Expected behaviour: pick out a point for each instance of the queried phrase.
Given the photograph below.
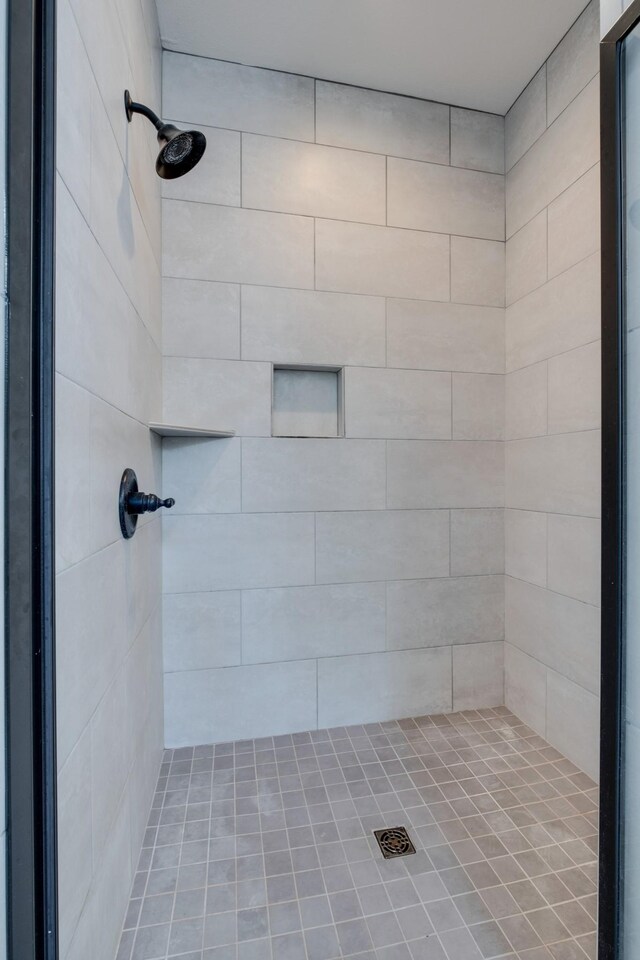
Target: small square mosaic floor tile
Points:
(265, 849)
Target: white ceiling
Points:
(474, 53)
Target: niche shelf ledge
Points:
(174, 430)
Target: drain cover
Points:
(394, 842)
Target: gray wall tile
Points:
(203, 476)
(313, 180)
(384, 545)
(202, 706)
(198, 90)
(220, 394)
(200, 319)
(201, 630)
(307, 326)
(429, 196)
(477, 542)
(397, 403)
(381, 261)
(574, 62)
(434, 613)
(301, 474)
(226, 552)
(381, 122)
(477, 140)
(433, 474)
(300, 623)
(208, 242)
(527, 118)
(445, 336)
(380, 686)
(478, 676)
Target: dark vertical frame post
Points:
(612, 568)
(29, 519)
(611, 878)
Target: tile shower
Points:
(424, 280)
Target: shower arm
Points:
(165, 130)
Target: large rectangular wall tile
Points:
(75, 859)
(429, 196)
(205, 706)
(241, 550)
(559, 474)
(561, 315)
(435, 474)
(435, 613)
(561, 632)
(477, 271)
(573, 722)
(574, 557)
(109, 766)
(574, 390)
(397, 403)
(73, 440)
(307, 326)
(200, 319)
(91, 622)
(526, 399)
(202, 475)
(308, 474)
(222, 94)
(208, 242)
(383, 686)
(385, 545)
(221, 394)
(574, 223)
(477, 542)
(574, 62)
(527, 118)
(216, 179)
(527, 258)
(477, 140)
(381, 261)
(201, 630)
(525, 683)
(298, 623)
(478, 406)
(313, 180)
(445, 336)
(381, 122)
(478, 676)
(566, 151)
(525, 535)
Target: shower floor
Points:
(264, 849)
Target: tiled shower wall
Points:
(553, 398)
(108, 388)
(318, 582)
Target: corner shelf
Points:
(172, 430)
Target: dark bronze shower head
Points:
(180, 150)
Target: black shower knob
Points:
(133, 502)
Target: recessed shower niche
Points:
(307, 402)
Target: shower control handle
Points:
(133, 502)
(139, 502)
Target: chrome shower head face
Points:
(182, 150)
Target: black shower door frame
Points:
(29, 584)
(613, 479)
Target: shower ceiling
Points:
(474, 53)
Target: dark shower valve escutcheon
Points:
(132, 503)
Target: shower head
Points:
(180, 150)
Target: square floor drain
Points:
(394, 842)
